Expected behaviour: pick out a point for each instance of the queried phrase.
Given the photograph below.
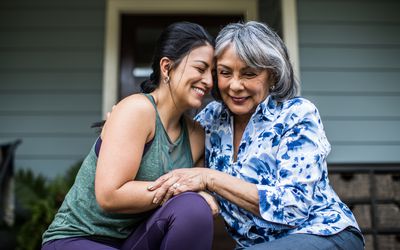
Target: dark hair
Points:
(175, 42)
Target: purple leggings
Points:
(183, 222)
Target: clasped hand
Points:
(183, 180)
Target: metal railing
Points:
(374, 172)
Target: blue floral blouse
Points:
(283, 151)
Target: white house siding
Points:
(350, 68)
(50, 79)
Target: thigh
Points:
(296, 241)
(183, 222)
(344, 240)
(75, 243)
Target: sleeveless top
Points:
(80, 215)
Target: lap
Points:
(76, 243)
(187, 214)
(343, 240)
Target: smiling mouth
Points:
(199, 91)
(238, 99)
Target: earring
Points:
(272, 87)
(166, 80)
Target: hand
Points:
(212, 202)
(164, 188)
(179, 181)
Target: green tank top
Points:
(80, 215)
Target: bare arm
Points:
(237, 191)
(124, 137)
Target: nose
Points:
(208, 80)
(236, 84)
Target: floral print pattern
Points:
(283, 151)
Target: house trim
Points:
(290, 33)
(114, 8)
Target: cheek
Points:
(222, 84)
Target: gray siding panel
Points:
(376, 35)
(355, 107)
(374, 154)
(47, 125)
(67, 147)
(350, 82)
(48, 39)
(51, 81)
(51, 60)
(49, 168)
(50, 102)
(51, 18)
(64, 60)
(350, 68)
(349, 11)
(349, 58)
(363, 132)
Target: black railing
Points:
(388, 194)
(7, 156)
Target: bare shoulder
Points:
(133, 113)
(138, 103)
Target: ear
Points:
(165, 66)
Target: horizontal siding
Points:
(50, 168)
(383, 11)
(350, 69)
(348, 132)
(67, 148)
(50, 81)
(359, 35)
(90, 39)
(368, 154)
(349, 58)
(51, 60)
(57, 17)
(350, 82)
(356, 107)
(47, 125)
(24, 102)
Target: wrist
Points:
(210, 180)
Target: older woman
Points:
(265, 153)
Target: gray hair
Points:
(260, 47)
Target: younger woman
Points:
(146, 136)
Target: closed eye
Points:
(224, 73)
(249, 75)
(201, 70)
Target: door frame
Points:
(114, 8)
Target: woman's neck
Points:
(168, 111)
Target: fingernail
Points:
(155, 201)
(150, 187)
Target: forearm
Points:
(235, 190)
(132, 197)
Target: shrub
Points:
(38, 200)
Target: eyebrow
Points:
(242, 69)
(203, 62)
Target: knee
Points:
(192, 205)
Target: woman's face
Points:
(192, 79)
(242, 88)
